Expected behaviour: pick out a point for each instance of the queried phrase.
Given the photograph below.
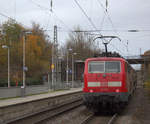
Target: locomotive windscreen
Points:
(104, 67)
(96, 67)
(112, 67)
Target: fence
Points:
(36, 89)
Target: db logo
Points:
(103, 84)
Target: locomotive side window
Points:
(112, 67)
(96, 67)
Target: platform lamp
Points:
(73, 54)
(24, 66)
(67, 69)
(7, 47)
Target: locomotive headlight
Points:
(91, 91)
(114, 84)
(117, 90)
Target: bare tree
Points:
(80, 43)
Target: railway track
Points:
(92, 119)
(40, 117)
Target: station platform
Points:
(19, 100)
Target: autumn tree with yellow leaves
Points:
(147, 53)
(38, 53)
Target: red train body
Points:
(107, 81)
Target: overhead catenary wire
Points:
(7, 17)
(115, 30)
(93, 23)
(45, 10)
(101, 25)
(48, 21)
(83, 11)
(122, 53)
(95, 32)
(109, 18)
(4, 15)
(41, 7)
(106, 13)
(89, 19)
(65, 25)
(48, 11)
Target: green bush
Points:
(147, 83)
(3, 82)
(33, 81)
(149, 79)
(29, 82)
(12, 83)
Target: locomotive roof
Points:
(106, 58)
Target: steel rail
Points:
(86, 120)
(47, 113)
(59, 112)
(111, 121)
(90, 117)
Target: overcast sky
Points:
(124, 14)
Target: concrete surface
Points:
(19, 107)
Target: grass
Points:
(147, 84)
(9, 98)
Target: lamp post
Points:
(24, 66)
(24, 40)
(73, 68)
(7, 47)
(67, 65)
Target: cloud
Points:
(125, 14)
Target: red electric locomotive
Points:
(108, 81)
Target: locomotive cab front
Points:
(105, 81)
